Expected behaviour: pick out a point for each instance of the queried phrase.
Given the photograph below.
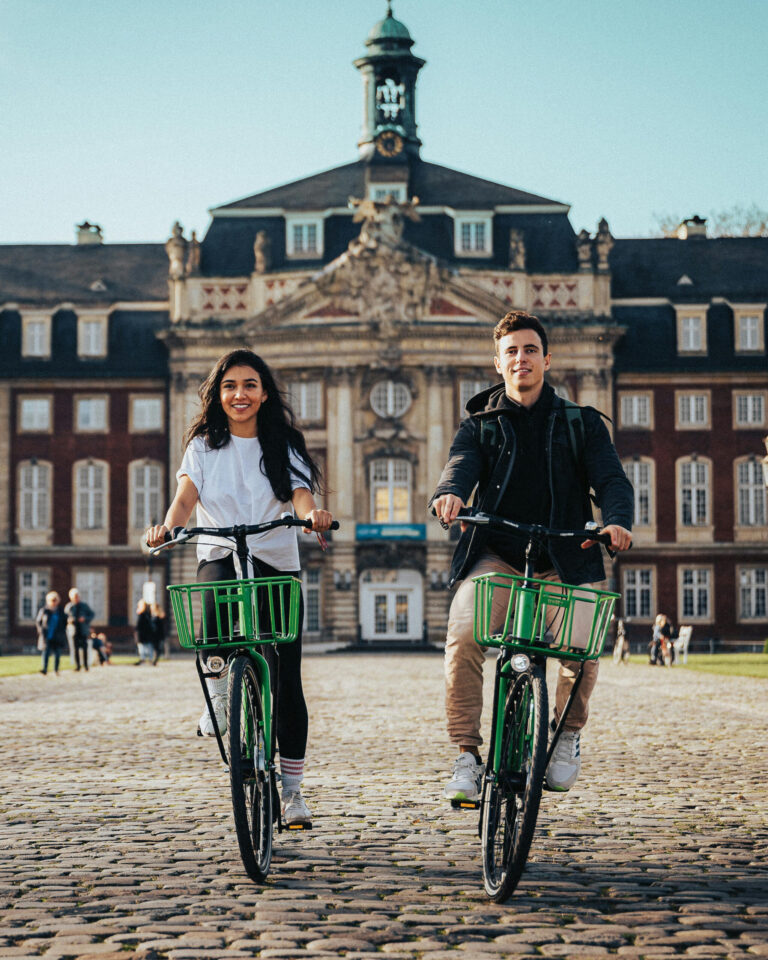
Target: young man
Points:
(522, 467)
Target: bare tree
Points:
(736, 221)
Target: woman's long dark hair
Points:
(275, 424)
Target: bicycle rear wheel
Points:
(249, 774)
(511, 800)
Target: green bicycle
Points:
(529, 620)
(224, 622)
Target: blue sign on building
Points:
(391, 531)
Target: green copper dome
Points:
(389, 29)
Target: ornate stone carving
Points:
(516, 249)
(382, 280)
(176, 248)
(262, 252)
(193, 258)
(604, 244)
(584, 251)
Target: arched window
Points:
(35, 495)
(750, 493)
(390, 490)
(147, 503)
(694, 491)
(91, 478)
(640, 473)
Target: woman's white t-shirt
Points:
(233, 488)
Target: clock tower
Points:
(389, 72)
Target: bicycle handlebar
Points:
(533, 530)
(182, 534)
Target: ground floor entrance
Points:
(391, 605)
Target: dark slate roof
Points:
(432, 184)
(133, 348)
(731, 267)
(49, 274)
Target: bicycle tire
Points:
(511, 800)
(249, 775)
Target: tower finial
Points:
(389, 8)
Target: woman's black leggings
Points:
(292, 717)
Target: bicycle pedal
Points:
(465, 804)
(298, 826)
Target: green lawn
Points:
(15, 666)
(727, 664)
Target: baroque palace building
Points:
(372, 290)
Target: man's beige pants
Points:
(464, 660)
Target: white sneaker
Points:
(564, 767)
(295, 810)
(467, 779)
(217, 690)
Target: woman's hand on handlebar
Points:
(621, 539)
(320, 521)
(155, 536)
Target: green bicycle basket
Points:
(236, 612)
(542, 616)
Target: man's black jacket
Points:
(487, 472)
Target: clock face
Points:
(389, 144)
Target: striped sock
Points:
(291, 773)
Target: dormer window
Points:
(36, 336)
(383, 191)
(304, 237)
(92, 336)
(692, 330)
(472, 235)
(748, 329)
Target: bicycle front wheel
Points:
(249, 773)
(511, 797)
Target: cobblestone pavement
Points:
(117, 841)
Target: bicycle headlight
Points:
(215, 664)
(520, 662)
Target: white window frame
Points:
(635, 588)
(139, 471)
(632, 402)
(750, 493)
(312, 587)
(88, 531)
(380, 190)
(306, 399)
(692, 330)
(697, 406)
(754, 581)
(304, 222)
(749, 320)
(24, 400)
(644, 487)
(472, 220)
(36, 336)
(392, 483)
(38, 496)
(86, 579)
(34, 592)
(92, 336)
(468, 388)
(390, 399)
(702, 577)
(90, 398)
(696, 485)
(136, 422)
(756, 402)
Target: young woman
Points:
(245, 462)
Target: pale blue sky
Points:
(135, 113)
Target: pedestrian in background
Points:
(99, 646)
(51, 631)
(144, 633)
(158, 630)
(79, 616)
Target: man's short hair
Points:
(520, 320)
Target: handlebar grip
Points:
(335, 525)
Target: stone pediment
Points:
(383, 283)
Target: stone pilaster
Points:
(6, 512)
(340, 453)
